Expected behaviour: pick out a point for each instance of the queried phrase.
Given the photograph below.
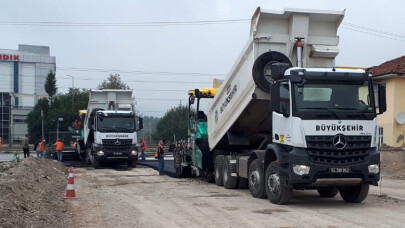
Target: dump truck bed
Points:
(240, 111)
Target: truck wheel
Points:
(132, 164)
(186, 171)
(354, 194)
(230, 182)
(243, 183)
(95, 163)
(261, 68)
(328, 192)
(278, 192)
(219, 162)
(87, 159)
(256, 180)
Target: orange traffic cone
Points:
(70, 189)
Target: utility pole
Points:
(150, 131)
(73, 86)
(42, 118)
(57, 127)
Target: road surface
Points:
(117, 197)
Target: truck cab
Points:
(325, 132)
(110, 128)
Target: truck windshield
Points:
(116, 124)
(333, 98)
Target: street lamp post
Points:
(73, 86)
(57, 127)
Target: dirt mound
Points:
(31, 194)
(4, 166)
(393, 169)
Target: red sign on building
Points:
(9, 57)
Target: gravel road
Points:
(141, 198)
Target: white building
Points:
(23, 74)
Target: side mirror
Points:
(191, 99)
(275, 97)
(382, 100)
(140, 127)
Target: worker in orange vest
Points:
(41, 147)
(59, 149)
(143, 148)
(1, 143)
(77, 124)
(160, 156)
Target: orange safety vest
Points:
(41, 146)
(143, 145)
(59, 146)
(1, 142)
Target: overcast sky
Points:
(192, 54)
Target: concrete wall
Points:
(395, 87)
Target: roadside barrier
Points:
(70, 189)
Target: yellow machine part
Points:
(205, 92)
(82, 112)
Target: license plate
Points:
(117, 153)
(339, 170)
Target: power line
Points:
(138, 71)
(171, 23)
(122, 24)
(373, 30)
(373, 34)
(159, 99)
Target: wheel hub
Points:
(274, 183)
(254, 179)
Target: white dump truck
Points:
(110, 128)
(285, 118)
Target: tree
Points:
(34, 119)
(50, 84)
(149, 128)
(61, 107)
(113, 82)
(173, 123)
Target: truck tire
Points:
(95, 163)
(277, 190)
(132, 164)
(228, 168)
(354, 194)
(256, 180)
(262, 63)
(328, 192)
(87, 158)
(243, 183)
(219, 162)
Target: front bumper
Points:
(320, 176)
(115, 155)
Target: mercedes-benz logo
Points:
(339, 142)
(117, 142)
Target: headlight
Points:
(301, 169)
(134, 152)
(375, 168)
(100, 153)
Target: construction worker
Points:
(25, 146)
(41, 148)
(59, 149)
(143, 148)
(77, 124)
(161, 154)
(1, 143)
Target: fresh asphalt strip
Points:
(168, 168)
